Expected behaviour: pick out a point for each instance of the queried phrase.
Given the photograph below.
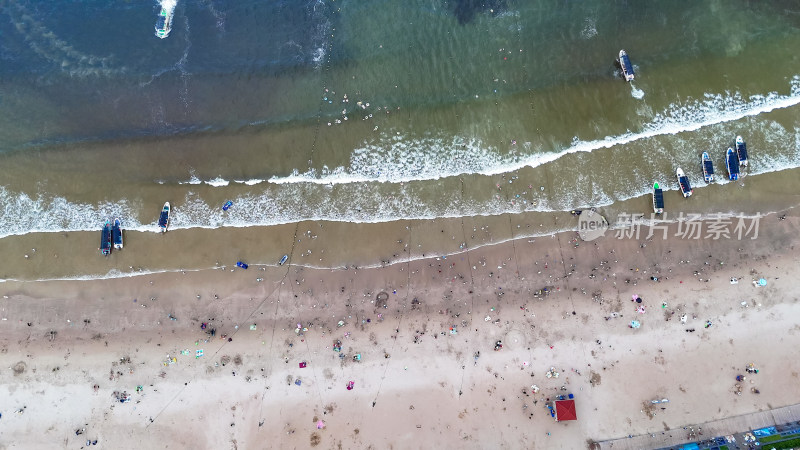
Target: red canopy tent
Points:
(565, 410)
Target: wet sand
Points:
(418, 325)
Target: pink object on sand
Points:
(303, 365)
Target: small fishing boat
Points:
(116, 234)
(163, 219)
(163, 23)
(283, 260)
(708, 168)
(626, 66)
(683, 182)
(732, 161)
(741, 151)
(105, 239)
(658, 199)
(241, 264)
(227, 205)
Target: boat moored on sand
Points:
(163, 219)
(708, 168)
(105, 239)
(116, 234)
(626, 66)
(658, 199)
(732, 161)
(683, 183)
(741, 151)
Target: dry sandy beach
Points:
(425, 329)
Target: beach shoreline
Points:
(553, 301)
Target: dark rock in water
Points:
(466, 10)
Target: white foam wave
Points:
(21, 214)
(112, 274)
(217, 182)
(396, 158)
(192, 180)
(636, 92)
(251, 182)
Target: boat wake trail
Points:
(62, 54)
(636, 92)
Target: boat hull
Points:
(163, 24)
(732, 163)
(105, 239)
(116, 234)
(626, 66)
(163, 219)
(708, 168)
(683, 183)
(741, 151)
(658, 199)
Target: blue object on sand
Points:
(227, 205)
(762, 282)
(283, 260)
(241, 264)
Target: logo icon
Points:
(591, 225)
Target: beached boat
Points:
(683, 182)
(732, 161)
(741, 151)
(105, 239)
(658, 199)
(626, 66)
(708, 168)
(164, 23)
(163, 219)
(227, 205)
(116, 234)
